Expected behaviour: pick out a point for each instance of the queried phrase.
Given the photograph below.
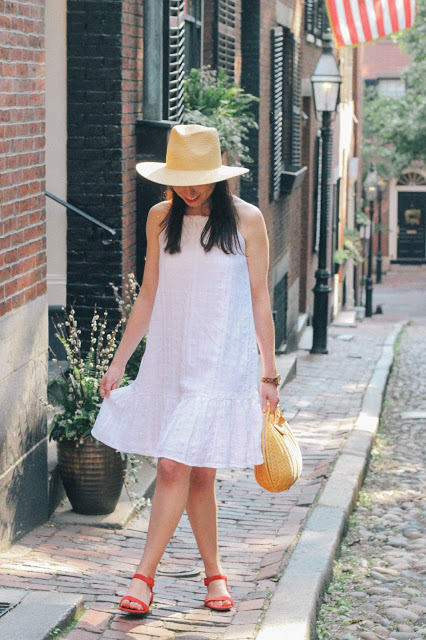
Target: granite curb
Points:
(36, 615)
(292, 612)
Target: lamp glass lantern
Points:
(326, 79)
(371, 184)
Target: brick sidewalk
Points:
(257, 530)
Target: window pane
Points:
(391, 87)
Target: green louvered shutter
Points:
(277, 77)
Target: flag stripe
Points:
(372, 18)
(335, 22)
(379, 18)
(356, 21)
(386, 17)
(402, 18)
(393, 15)
(350, 21)
(364, 19)
(413, 11)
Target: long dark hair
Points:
(221, 226)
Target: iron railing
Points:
(67, 205)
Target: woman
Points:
(194, 405)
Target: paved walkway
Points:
(257, 530)
(380, 587)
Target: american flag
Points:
(356, 21)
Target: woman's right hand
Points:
(111, 380)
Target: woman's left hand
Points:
(269, 392)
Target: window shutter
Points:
(319, 20)
(314, 17)
(288, 96)
(277, 49)
(226, 37)
(296, 150)
(176, 60)
(309, 15)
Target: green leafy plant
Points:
(351, 248)
(361, 218)
(211, 100)
(76, 392)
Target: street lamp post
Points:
(379, 236)
(371, 188)
(326, 81)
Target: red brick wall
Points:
(382, 59)
(131, 109)
(282, 217)
(22, 142)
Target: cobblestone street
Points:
(380, 586)
(258, 530)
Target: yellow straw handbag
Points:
(282, 464)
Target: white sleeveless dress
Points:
(195, 399)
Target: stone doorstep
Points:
(305, 340)
(345, 319)
(124, 511)
(36, 614)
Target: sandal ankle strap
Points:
(208, 580)
(149, 581)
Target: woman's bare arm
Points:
(257, 252)
(140, 317)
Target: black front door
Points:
(411, 225)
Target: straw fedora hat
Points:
(193, 158)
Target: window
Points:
(314, 18)
(174, 60)
(226, 37)
(193, 34)
(393, 87)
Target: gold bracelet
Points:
(276, 380)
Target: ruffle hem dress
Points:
(195, 399)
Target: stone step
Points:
(345, 319)
(125, 510)
(35, 615)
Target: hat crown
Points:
(192, 147)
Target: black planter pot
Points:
(92, 474)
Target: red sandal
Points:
(145, 607)
(222, 607)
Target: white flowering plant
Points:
(76, 392)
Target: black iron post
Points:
(379, 240)
(321, 289)
(369, 281)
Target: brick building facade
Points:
(23, 300)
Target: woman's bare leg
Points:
(168, 504)
(202, 513)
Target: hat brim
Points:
(159, 173)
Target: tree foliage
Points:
(395, 127)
